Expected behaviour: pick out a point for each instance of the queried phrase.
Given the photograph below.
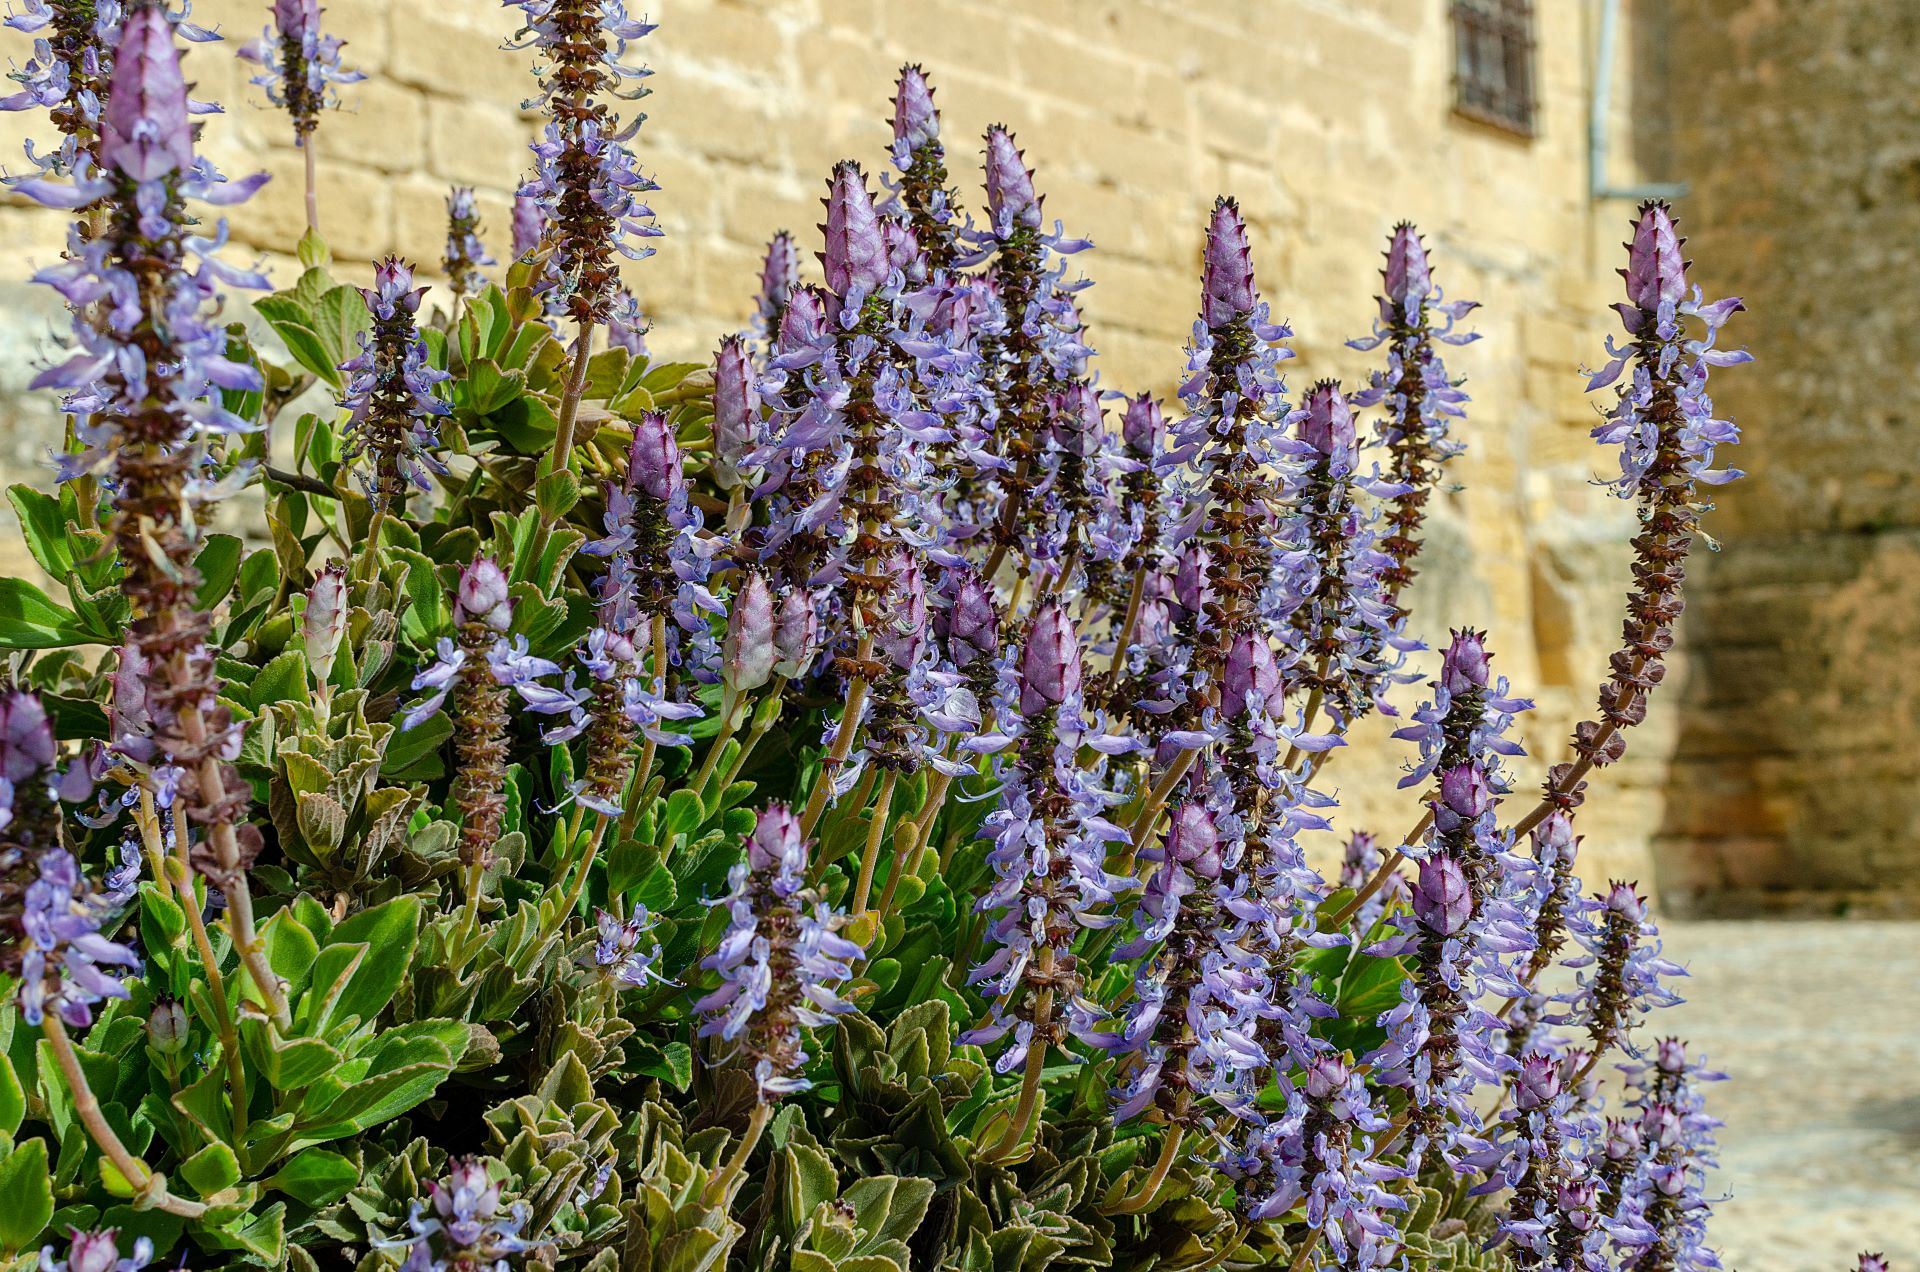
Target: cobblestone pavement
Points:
(1817, 1026)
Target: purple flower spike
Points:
(147, 133)
(1050, 667)
(1010, 195)
(735, 409)
(1327, 425)
(915, 121)
(1408, 277)
(1464, 668)
(1441, 899)
(748, 653)
(856, 255)
(1226, 290)
(654, 461)
(777, 844)
(902, 632)
(1656, 273)
(1194, 840)
(324, 622)
(1143, 425)
(529, 225)
(971, 619)
(1252, 680)
(796, 634)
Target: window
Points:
(1493, 63)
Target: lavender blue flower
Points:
(779, 959)
(463, 1228)
(466, 253)
(389, 398)
(65, 960)
(625, 953)
(300, 67)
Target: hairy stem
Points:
(150, 1189)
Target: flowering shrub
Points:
(848, 806)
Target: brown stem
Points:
(1581, 766)
(1135, 599)
(570, 402)
(149, 1188)
(182, 879)
(850, 723)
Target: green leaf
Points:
(412, 751)
(313, 250)
(316, 1177)
(13, 1101)
(388, 933)
(219, 565)
(427, 614)
(556, 493)
(291, 949)
(213, 1169)
(672, 1064)
(29, 619)
(304, 343)
(282, 680)
(26, 1195)
(1370, 986)
(45, 527)
(338, 319)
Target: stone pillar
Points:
(1797, 779)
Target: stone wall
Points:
(1799, 125)
(1330, 119)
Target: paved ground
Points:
(1818, 1027)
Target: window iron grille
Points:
(1493, 63)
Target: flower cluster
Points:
(466, 255)
(462, 1226)
(299, 66)
(389, 398)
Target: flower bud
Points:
(779, 273)
(1441, 899)
(167, 1026)
(1010, 195)
(529, 225)
(1079, 421)
(1327, 425)
(748, 653)
(915, 121)
(1554, 840)
(470, 1196)
(324, 622)
(1142, 426)
(26, 737)
(1190, 585)
(1579, 1201)
(902, 248)
(296, 18)
(1655, 273)
(1050, 666)
(393, 292)
(1464, 790)
(1463, 668)
(653, 465)
(100, 1251)
(735, 408)
(971, 620)
(146, 132)
(796, 634)
(856, 255)
(482, 596)
(804, 322)
(1194, 840)
(1538, 1081)
(1408, 278)
(902, 631)
(1670, 1054)
(1623, 1140)
(1327, 1074)
(1226, 286)
(776, 843)
(1621, 899)
(1252, 678)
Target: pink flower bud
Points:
(776, 843)
(146, 133)
(1579, 1201)
(1010, 196)
(1408, 278)
(902, 631)
(296, 17)
(1655, 271)
(1441, 899)
(482, 596)
(1538, 1081)
(26, 737)
(1190, 588)
(1194, 840)
(96, 1252)
(1226, 287)
(1463, 668)
(167, 1026)
(796, 634)
(1464, 790)
(1050, 666)
(529, 225)
(856, 255)
(1621, 899)
(653, 465)
(324, 621)
(393, 291)
(1143, 425)
(804, 321)
(1078, 421)
(735, 404)
(1554, 840)
(1252, 678)
(748, 654)
(1327, 425)
(915, 121)
(902, 248)
(1327, 1075)
(970, 622)
(779, 272)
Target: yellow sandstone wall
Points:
(1330, 119)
